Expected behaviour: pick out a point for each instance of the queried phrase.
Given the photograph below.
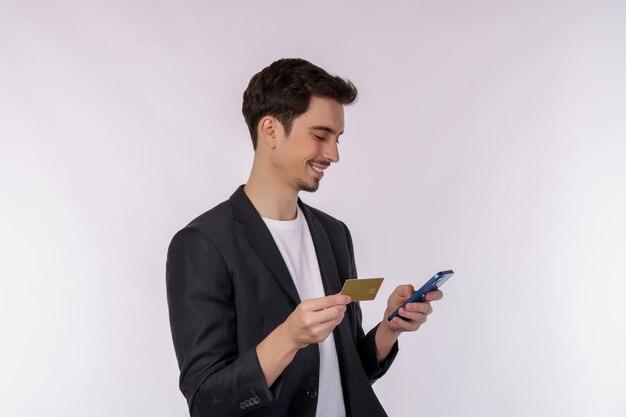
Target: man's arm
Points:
(215, 377)
(415, 314)
(379, 347)
(374, 364)
(311, 322)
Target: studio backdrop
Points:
(489, 137)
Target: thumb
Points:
(405, 291)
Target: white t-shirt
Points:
(295, 243)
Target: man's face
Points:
(311, 146)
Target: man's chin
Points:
(305, 186)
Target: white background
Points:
(489, 137)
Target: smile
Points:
(318, 170)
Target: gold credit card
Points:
(364, 289)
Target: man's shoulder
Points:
(215, 223)
(207, 232)
(216, 215)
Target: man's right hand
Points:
(311, 322)
(314, 320)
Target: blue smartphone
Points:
(431, 285)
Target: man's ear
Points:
(269, 130)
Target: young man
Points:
(258, 323)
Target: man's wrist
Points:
(275, 352)
(386, 337)
(388, 332)
(282, 337)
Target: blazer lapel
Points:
(261, 240)
(324, 251)
(346, 349)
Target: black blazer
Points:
(228, 288)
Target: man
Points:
(258, 323)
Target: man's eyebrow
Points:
(327, 129)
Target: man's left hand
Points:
(415, 314)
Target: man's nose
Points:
(331, 151)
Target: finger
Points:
(433, 295)
(405, 291)
(420, 318)
(424, 308)
(339, 299)
(316, 304)
(322, 331)
(403, 325)
(328, 315)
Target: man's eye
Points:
(322, 138)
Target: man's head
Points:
(294, 111)
(284, 88)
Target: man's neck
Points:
(271, 199)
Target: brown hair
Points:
(284, 88)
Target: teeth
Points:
(317, 169)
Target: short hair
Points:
(284, 89)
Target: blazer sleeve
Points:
(366, 343)
(215, 378)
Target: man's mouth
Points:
(318, 169)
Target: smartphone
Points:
(431, 285)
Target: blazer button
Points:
(242, 406)
(256, 400)
(311, 393)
